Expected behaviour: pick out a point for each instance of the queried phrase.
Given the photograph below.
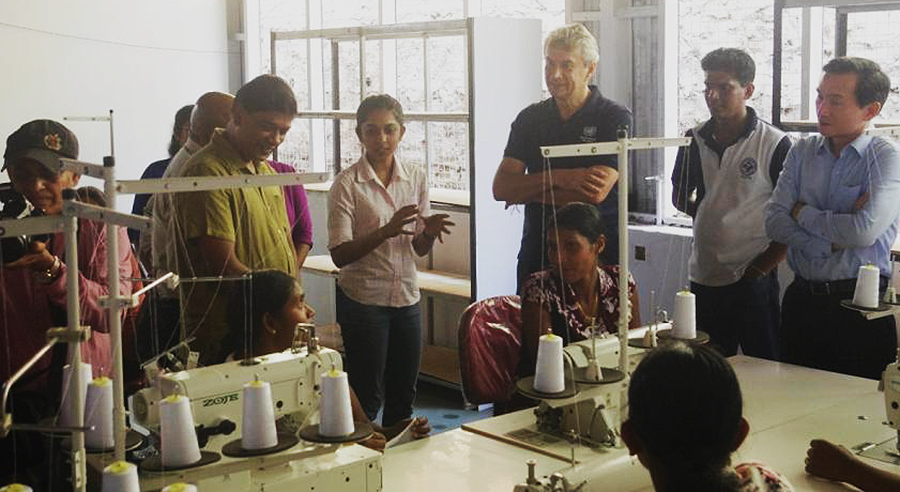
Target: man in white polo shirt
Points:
(724, 180)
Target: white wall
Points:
(144, 60)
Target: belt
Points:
(833, 287)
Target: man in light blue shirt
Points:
(836, 206)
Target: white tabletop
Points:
(786, 406)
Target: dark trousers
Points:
(817, 332)
(743, 314)
(384, 348)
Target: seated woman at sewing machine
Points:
(577, 292)
(277, 303)
(685, 419)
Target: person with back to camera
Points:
(577, 291)
(685, 419)
(377, 218)
(277, 304)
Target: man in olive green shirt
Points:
(232, 232)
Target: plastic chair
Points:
(490, 344)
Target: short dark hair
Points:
(733, 61)
(685, 406)
(580, 217)
(872, 85)
(374, 103)
(265, 291)
(182, 119)
(266, 93)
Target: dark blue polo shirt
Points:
(540, 124)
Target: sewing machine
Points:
(216, 404)
(891, 385)
(591, 416)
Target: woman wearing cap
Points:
(34, 287)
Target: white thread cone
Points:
(16, 487)
(866, 293)
(179, 441)
(67, 406)
(685, 324)
(258, 418)
(120, 476)
(98, 413)
(335, 415)
(180, 487)
(548, 373)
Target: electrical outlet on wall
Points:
(640, 253)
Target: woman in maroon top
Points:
(577, 291)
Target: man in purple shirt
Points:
(297, 212)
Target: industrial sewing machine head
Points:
(891, 382)
(592, 415)
(215, 391)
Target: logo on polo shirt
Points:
(589, 134)
(748, 167)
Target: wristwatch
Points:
(50, 274)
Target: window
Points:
(810, 36)
(335, 53)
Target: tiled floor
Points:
(444, 407)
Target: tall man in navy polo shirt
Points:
(836, 207)
(576, 113)
(724, 180)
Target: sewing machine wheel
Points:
(361, 432)
(610, 375)
(234, 449)
(154, 463)
(526, 387)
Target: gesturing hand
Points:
(436, 226)
(406, 215)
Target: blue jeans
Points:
(383, 347)
(744, 313)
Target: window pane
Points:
(419, 11)
(348, 63)
(292, 65)
(410, 68)
(705, 26)
(277, 15)
(412, 148)
(374, 73)
(873, 35)
(447, 74)
(449, 155)
(351, 149)
(346, 13)
(295, 149)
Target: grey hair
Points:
(573, 37)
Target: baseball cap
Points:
(44, 141)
